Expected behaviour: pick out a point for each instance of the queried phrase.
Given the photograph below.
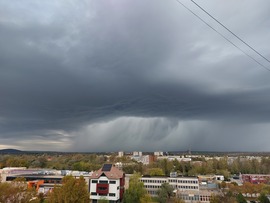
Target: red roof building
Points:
(107, 183)
(255, 178)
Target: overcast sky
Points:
(109, 75)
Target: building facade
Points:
(120, 154)
(107, 183)
(153, 184)
(255, 178)
(185, 188)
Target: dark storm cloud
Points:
(81, 71)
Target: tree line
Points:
(91, 162)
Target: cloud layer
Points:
(132, 75)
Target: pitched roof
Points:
(110, 171)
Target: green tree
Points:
(16, 162)
(240, 198)
(185, 167)
(146, 199)
(156, 172)
(265, 189)
(178, 200)
(42, 162)
(72, 191)
(263, 199)
(166, 166)
(129, 169)
(165, 192)
(135, 191)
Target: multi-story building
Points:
(185, 188)
(145, 159)
(107, 183)
(120, 154)
(153, 184)
(135, 153)
(172, 158)
(158, 153)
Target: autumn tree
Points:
(72, 191)
(16, 192)
(146, 199)
(248, 188)
(234, 188)
(223, 198)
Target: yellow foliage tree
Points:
(72, 191)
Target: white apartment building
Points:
(172, 158)
(145, 159)
(135, 153)
(158, 153)
(107, 183)
(120, 154)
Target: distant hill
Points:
(10, 151)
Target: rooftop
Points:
(110, 171)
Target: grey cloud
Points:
(151, 134)
(67, 66)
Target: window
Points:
(93, 193)
(103, 181)
(94, 181)
(102, 188)
(112, 182)
(112, 194)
